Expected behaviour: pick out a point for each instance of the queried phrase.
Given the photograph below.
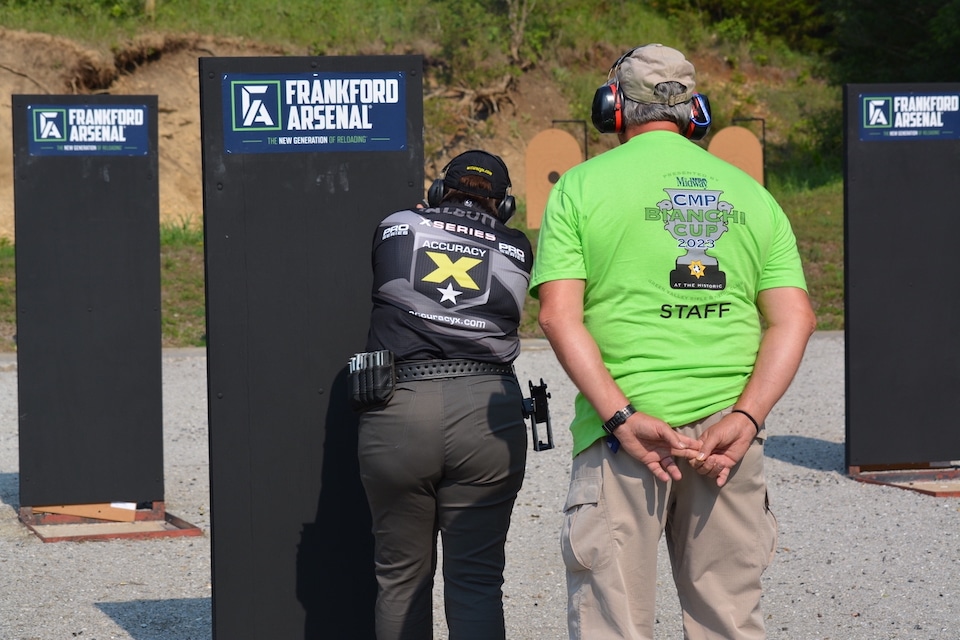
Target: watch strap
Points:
(618, 419)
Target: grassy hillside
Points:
(477, 57)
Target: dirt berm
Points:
(166, 66)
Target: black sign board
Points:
(902, 145)
(302, 157)
(88, 299)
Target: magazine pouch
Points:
(372, 379)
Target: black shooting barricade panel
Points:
(88, 299)
(289, 217)
(902, 145)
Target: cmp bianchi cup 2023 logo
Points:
(696, 218)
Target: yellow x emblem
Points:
(449, 269)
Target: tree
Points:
(905, 41)
(517, 13)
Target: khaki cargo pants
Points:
(720, 541)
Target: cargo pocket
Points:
(585, 540)
(773, 530)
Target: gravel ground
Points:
(855, 561)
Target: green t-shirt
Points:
(674, 245)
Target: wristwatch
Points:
(618, 419)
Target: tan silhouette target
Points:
(549, 154)
(741, 148)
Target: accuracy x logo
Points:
(449, 269)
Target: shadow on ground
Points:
(811, 453)
(10, 490)
(183, 619)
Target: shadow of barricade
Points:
(179, 618)
(812, 453)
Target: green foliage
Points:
(8, 317)
(91, 21)
(817, 218)
(733, 30)
(801, 23)
(361, 25)
(184, 234)
(616, 25)
(540, 30)
(182, 293)
(472, 57)
(114, 9)
(905, 41)
(806, 151)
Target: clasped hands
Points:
(657, 445)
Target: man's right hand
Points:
(656, 444)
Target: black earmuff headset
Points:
(505, 209)
(607, 111)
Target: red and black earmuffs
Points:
(607, 111)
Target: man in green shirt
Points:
(655, 264)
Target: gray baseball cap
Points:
(647, 66)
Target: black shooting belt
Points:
(433, 369)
